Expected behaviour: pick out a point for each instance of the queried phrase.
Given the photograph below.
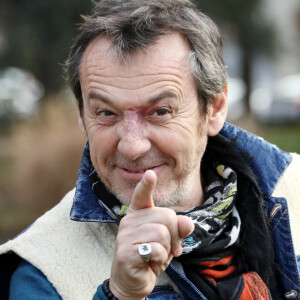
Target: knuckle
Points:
(121, 260)
(160, 254)
(122, 257)
(169, 216)
(163, 233)
(125, 223)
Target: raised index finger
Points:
(142, 195)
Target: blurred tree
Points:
(38, 35)
(246, 24)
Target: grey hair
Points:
(133, 24)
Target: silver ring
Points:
(145, 251)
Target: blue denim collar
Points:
(86, 207)
(268, 163)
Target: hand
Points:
(132, 277)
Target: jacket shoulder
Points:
(64, 250)
(289, 188)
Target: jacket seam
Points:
(93, 220)
(76, 193)
(187, 281)
(279, 270)
(161, 292)
(291, 246)
(279, 178)
(279, 220)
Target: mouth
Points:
(137, 173)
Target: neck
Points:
(196, 196)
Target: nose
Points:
(134, 142)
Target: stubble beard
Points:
(171, 193)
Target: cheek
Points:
(180, 147)
(95, 153)
(185, 145)
(102, 145)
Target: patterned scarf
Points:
(217, 221)
(209, 252)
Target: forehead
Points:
(168, 54)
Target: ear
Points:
(218, 112)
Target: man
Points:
(170, 203)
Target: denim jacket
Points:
(269, 164)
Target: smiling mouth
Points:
(140, 170)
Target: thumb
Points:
(185, 226)
(142, 195)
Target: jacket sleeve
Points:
(28, 282)
(100, 294)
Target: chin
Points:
(168, 201)
(170, 194)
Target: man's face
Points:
(144, 114)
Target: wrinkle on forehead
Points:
(160, 67)
(166, 46)
(135, 84)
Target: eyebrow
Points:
(96, 96)
(163, 95)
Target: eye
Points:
(160, 115)
(105, 113)
(106, 117)
(161, 112)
